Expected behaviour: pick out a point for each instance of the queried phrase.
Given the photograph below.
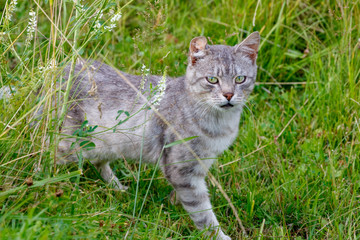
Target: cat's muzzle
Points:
(228, 105)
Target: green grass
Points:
(295, 171)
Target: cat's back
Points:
(94, 80)
(102, 95)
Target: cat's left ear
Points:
(197, 48)
(250, 46)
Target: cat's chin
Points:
(229, 107)
(226, 106)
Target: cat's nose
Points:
(228, 95)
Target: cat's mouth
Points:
(228, 105)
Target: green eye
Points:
(240, 79)
(212, 80)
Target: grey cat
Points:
(207, 102)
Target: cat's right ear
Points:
(197, 49)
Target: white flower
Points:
(145, 71)
(160, 90)
(31, 27)
(116, 17)
(2, 34)
(110, 28)
(101, 14)
(80, 6)
(97, 25)
(10, 9)
(51, 65)
(6, 92)
(113, 20)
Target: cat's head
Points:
(222, 76)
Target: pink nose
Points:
(228, 96)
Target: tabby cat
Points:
(207, 102)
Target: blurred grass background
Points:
(293, 172)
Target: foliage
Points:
(293, 172)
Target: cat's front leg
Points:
(108, 175)
(192, 192)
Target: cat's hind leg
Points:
(108, 175)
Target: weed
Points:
(293, 172)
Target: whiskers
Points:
(202, 108)
(247, 107)
(205, 109)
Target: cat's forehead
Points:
(222, 60)
(221, 51)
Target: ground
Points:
(293, 172)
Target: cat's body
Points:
(194, 105)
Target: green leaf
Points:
(119, 114)
(179, 141)
(294, 53)
(91, 129)
(84, 124)
(87, 145)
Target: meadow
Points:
(292, 173)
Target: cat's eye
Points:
(240, 79)
(212, 80)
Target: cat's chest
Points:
(219, 137)
(217, 145)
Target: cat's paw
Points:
(217, 235)
(222, 236)
(116, 185)
(122, 188)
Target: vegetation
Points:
(293, 172)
